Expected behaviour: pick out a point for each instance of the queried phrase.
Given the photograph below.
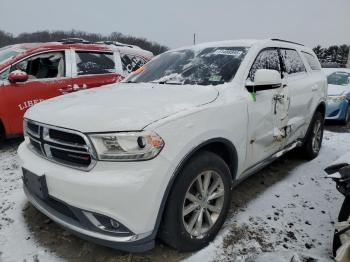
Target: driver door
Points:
(47, 76)
(267, 111)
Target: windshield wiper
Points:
(168, 82)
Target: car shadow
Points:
(65, 245)
(336, 126)
(9, 144)
(253, 186)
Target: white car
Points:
(158, 155)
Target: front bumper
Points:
(336, 111)
(130, 193)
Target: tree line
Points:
(52, 36)
(334, 54)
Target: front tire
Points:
(198, 203)
(347, 116)
(313, 140)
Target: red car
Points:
(30, 73)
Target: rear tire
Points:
(313, 140)
(194, 214)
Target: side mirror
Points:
(265, 79)
(18, 76)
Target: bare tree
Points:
(50, 36)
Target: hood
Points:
(338, 90)
(120, 107)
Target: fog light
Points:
(114, 224)
(107, 224)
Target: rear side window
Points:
(94, 63)
(267, 59)
(312, 61)
(292, 61)
(43, 66)
(131, 62)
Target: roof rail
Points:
(116, 44)
(285, 41)
(74, 41)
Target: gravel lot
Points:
(287, 207)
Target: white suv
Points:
(159, 154)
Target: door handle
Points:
(71, 89)
(66, 90)
(314, 88)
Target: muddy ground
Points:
(287, 206)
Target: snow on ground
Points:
(288, 207)
(296, 212)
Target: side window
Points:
(94, 63)
(267, 59)
(292, 61)
(131, 62)
(48, 65)
(312, 61)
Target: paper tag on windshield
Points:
(235, 53)
(215, 78)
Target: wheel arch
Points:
(321, 107)
(220, 146)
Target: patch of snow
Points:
(17, 243)
(294, 214)
(286, 209)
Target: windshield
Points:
(209, 66)
(8, 52)
(339, 78)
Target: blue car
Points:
(338, 94)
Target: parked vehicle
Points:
(31, 73)
(159, 154)
(338, 107)
(340, 173)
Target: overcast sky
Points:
(173, 23)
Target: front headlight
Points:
(336, 99)
(127, 146)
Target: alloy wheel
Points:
(203, 203)
(317, 136)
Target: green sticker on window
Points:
(215, 78)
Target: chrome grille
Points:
(63, 146)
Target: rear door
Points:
(93, 69)
(47, 76)
(300, 90)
